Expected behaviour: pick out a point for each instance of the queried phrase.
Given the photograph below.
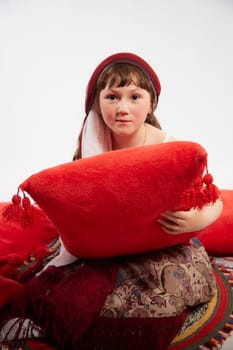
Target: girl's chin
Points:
(123, 129)
(121, 133)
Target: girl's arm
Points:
(176, 222)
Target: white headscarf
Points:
(96, 136)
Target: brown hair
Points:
(122, 74)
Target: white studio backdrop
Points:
(49, 48)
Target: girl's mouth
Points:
(122, 121)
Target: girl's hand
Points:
(176, 222)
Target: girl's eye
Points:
(135, 97)
(111, 97)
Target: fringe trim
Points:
(218, 340)
(17, 332)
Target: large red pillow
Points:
(109, 204)
(218, 237)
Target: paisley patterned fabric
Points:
(162, 284)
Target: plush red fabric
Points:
(9, 288)
(65, 301)
(109, 204)
(35, 344)
(17, 242)
(133, 333)
(218, 237)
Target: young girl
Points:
(132, 302)
(121, 98)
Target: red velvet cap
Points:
(126, 57)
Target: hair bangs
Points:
(124, 74)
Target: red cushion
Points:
(17, 242)
(218, 237)
(109, 204)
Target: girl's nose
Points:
(122, 108)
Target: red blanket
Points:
(17, 243)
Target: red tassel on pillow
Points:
(204, 192)
(13, 212)
(21, 211)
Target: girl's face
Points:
(124, 109)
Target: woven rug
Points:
(209, 325)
